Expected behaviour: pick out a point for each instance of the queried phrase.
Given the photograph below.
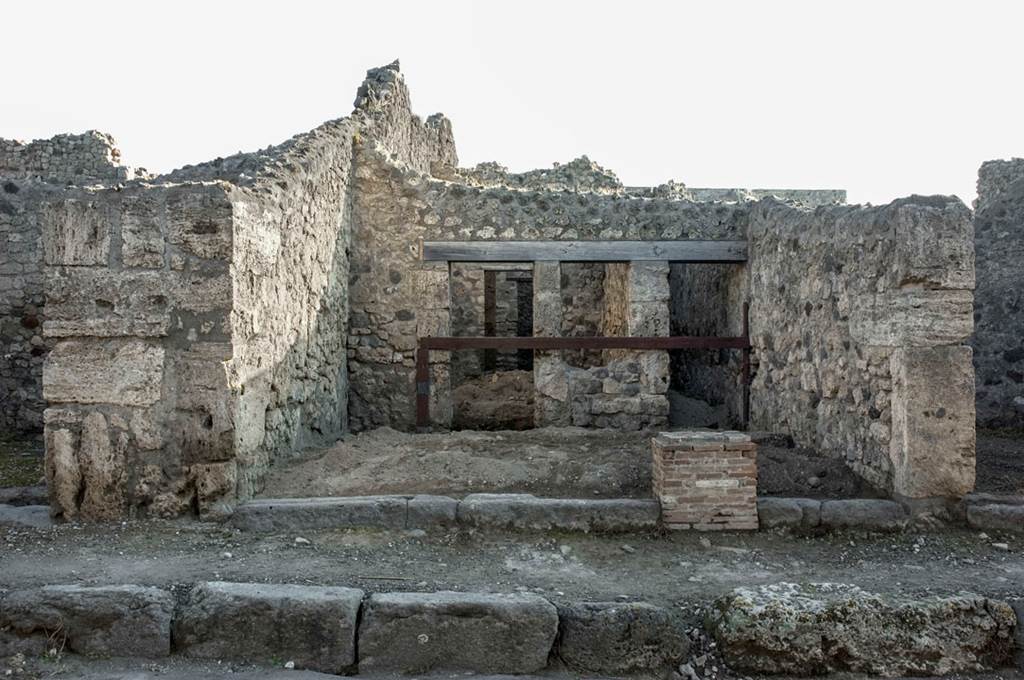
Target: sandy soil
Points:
(554, 462)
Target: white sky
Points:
(884, 99)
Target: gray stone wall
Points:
(31, 174)
(999, 298)
(89, 158)
(858, 318)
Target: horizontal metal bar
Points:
(670, 342)
(585, 251)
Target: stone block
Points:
(934, 245)
(863, 513)
(520, 512)
(25, 516)
(142, 239)
(829, 627)
(63, 475)
(314, 626)
(215, 485)
(425, 512)
(774, 513)
(123, 620)
(199, 221)
(445, 631)
(102, 463)
(126, 372)
(933, 428)
(620, 638)
(105, 303)
(913, 317)
(997, 516)
(290, 514)
(76, 231)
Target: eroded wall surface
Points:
(858, 319)
(138, 289)
(30, 174)
(999, 298)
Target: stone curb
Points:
(317, 627)
(998, 516)
(857, 513)
(498, 511)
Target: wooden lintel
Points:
(585, 251)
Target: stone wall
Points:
(290, 272)
(138, 289)
(999, 299)
(858, 318)
(90, 158)
(31, 174)
(397, 206)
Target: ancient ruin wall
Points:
(396, 207)
(138, 302)
(290, 274)
(858, 318)
(999, 298)
(30, 174)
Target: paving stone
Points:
(527, 512)
(830, 627)
(125, 620)
(478, 632)
(292, 514)
(620, 638)
(314, 626)
(863, 513)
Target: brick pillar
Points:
(433, 318)
(648, 316)
(551, 382)
(706, 480)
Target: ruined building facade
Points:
(189, 329)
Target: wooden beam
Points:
(585, 251)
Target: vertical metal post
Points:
(745, 368)
(422, 388)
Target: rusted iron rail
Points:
(426, 345)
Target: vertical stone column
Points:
(932, 446)
(648, 316)
(551, 382)
(433, 319)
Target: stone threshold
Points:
(342, 630)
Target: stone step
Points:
(516, 512)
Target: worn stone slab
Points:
(30, 516)
(127, 372)
(125, 620)
(788, 512)
(426, 511)
(287, 514)
(863, 513)
(314, 626)
(828, 627)
(24, 495)
(478, 632)
(620, 638)
(999, 516)
(528, 512)
(1018, 609)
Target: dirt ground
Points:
(21, 460)
(496, 401)
(556, 462)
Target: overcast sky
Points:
(882, 98)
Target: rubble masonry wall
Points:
(999, 298)
(858, 318)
